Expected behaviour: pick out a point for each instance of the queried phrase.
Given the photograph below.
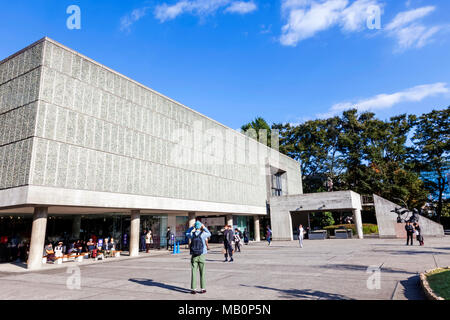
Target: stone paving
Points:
(329, 269)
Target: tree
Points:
(432, 153)
(315, 144)
(322, 219)
(260, 126)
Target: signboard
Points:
(214, 221)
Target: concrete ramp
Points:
(389, 228)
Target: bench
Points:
(115, 253)
(100, 256)
(318, 235)
(58, 260)
(343, 234)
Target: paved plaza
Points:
(330, 269)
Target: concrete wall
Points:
(19, 87)
(281, 208)
(95, 130)
(389, 228)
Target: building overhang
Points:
(70, 201)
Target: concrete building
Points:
(85, 150)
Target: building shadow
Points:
(411, 252)
(303, 294)
(413, 289)
(354, 267)
(151, 283)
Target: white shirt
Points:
(300, 233)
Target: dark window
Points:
(277, 189)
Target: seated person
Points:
(106, 246)
(49, 253)
(72, 248)
(112, 244)
(59, 250)
(90, 245)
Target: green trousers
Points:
(198, 264)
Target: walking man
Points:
(198, 235)
(409, 233)
(301, 233)
(228, 242)
(170, 239)
(246, 237)
(268, 235)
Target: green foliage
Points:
(371, 156)
(367, 228)
(432, 153)
(259, 130)
(322, 219)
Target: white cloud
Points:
(165, 12)
(306, 18)
(408, 32)
(127, 21)
(406, 17)
(385, 101)
(242, 7)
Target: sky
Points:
(287, 61)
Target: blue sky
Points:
(284, 60)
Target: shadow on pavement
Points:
(355, 267)
(412, 252)
(303, 294)
(151, 283)
(413, 290)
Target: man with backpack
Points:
(198, 235)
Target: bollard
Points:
(178, 247)
(174, 249)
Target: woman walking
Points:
(148, 240)
(237, 241)
(301, 234)
(418, 233)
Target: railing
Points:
(367, 200)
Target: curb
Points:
(426, 286)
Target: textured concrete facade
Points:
(19, 91)
(70, 123)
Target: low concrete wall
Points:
(389, 228)
(281, 208)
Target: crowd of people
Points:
(14, 249)
(93, 247)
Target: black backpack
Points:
(196, 246)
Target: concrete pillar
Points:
(76, 227)
(358, 223)
(191, 219)
(134, 232)
(230, 220)
(37, 242)
(256, 227)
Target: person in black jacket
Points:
(418, 233)
(409, 233)
(228, 243)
